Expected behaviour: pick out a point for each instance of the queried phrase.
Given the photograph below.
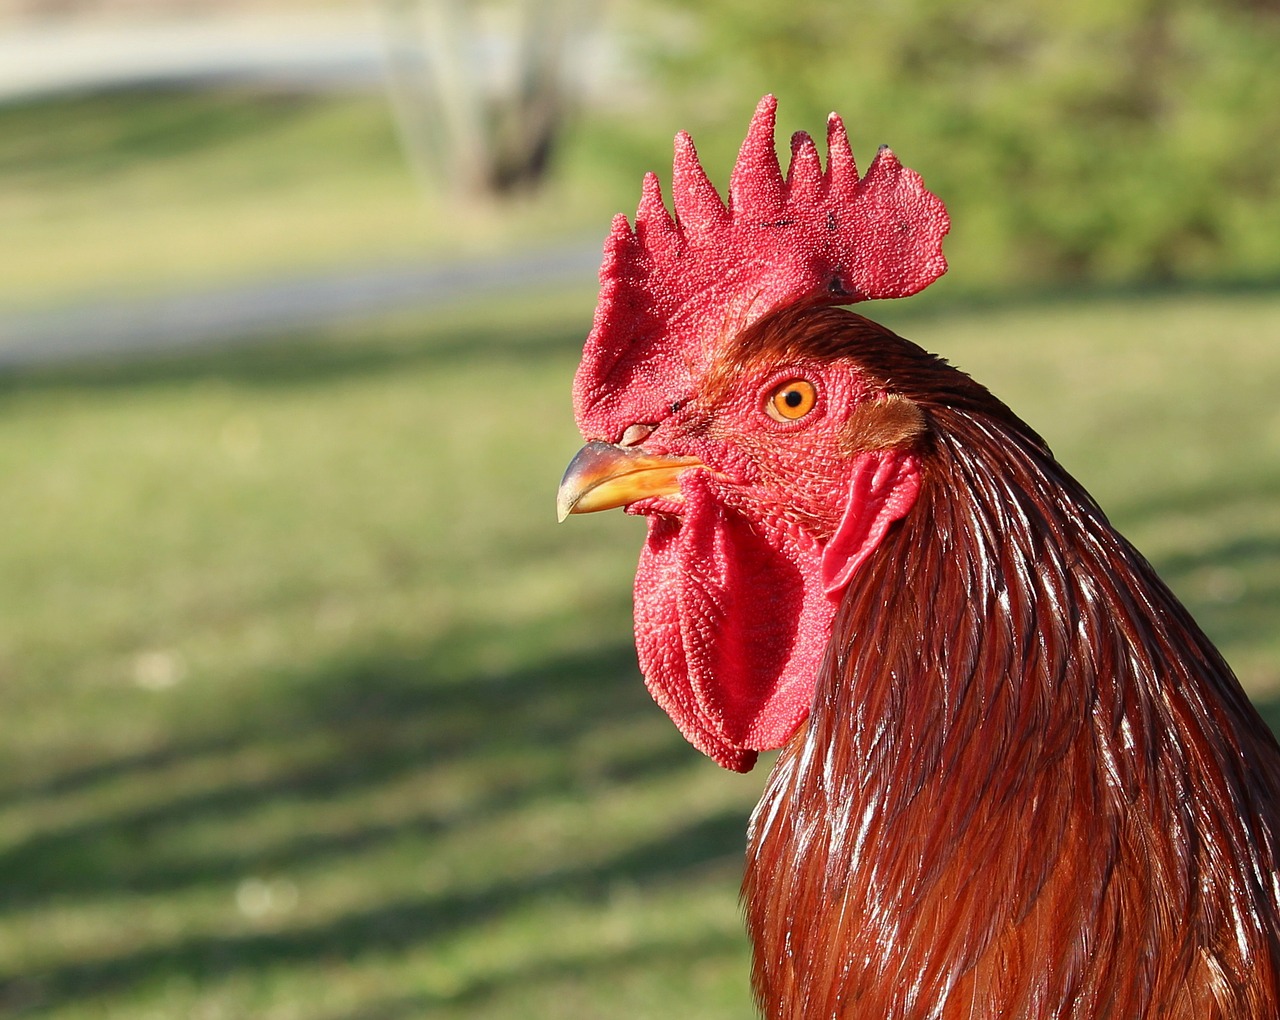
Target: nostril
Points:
(635, 434)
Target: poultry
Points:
(1015, 778)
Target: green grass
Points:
(138, 192)
(312, 710)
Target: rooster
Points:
(1015, 779)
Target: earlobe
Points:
(883, 488)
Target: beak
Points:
(603, 476)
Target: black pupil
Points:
(793, 398)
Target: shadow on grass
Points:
(1230, 581)
(667, 956)
(389, 929)
(603, 966)
(1211, 583)
(356, 726)
(350, 731)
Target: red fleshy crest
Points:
(672, 286)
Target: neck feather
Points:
(1029, 785)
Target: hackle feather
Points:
(1029, 786)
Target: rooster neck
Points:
(1029, 785)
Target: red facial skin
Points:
(740, 578)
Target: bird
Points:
(1014, 777)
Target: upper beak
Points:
(602, 476)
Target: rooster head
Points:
(768, 463)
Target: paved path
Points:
(341, 49)
(261, 310)
(317, 48)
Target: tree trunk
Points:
(483, 130)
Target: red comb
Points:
(670, 288)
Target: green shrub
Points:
(1116, 141)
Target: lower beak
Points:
(603, 476)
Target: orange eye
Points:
(793, 399)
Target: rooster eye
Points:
(793, 399)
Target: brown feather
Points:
(889, 423)
(1029, 786)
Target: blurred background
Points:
(310, 710)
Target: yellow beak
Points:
(602, 476)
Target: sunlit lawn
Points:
(141, 192)
(311, 710)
